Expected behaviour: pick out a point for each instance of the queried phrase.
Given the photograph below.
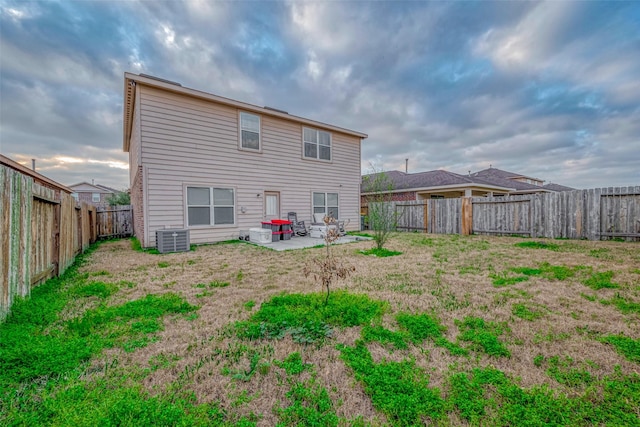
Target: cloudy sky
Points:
(550, 90)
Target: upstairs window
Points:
(317, 144)
(210, 206)
(95, 197)
(249, 131)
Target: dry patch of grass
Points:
(471, 329)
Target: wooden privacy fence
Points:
(595, 214)
(438, 216)
(115, 221)
(42, 229)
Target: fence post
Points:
(55, 238)
(425, 214)
(467, 217)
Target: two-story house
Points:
(217, 166)
(95, 194)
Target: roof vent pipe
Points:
(406, 165)
(33, 164)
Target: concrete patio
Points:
(299, 242)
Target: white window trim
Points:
(93, 197)
(326, 201)
(240, 147)
(318, 159)
(211, 206)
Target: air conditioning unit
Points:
(172, 240)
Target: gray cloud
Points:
(545, 89)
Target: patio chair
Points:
(342, 225)
(298, 227)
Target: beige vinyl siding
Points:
(186, 141)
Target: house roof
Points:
(499, 173)
(505, 178)
(557, 187)
(435, 179)
(491, 179)
(35, 175)
(113, 190)
(131, 80)
(96, 188)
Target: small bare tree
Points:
(328, 268)
(382, 216)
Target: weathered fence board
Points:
(443, 216)
(42, 245)
(115, 221)
(410, 216)
(501, 215)
(620, 213)
(68, 242)
(594, 214)
(15, 205)
(448, 215)
(581, 214)
(40, 233)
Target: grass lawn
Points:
(451, 330)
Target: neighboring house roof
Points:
(499, 173)
(491, 179)
(500, 177)
(35, 175)
(436, 179)
(113, 190)
(130, 81)
(557, 187)
(85, 187)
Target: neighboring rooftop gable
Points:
(508, 179)
(108, 189)
(131, 80)
(93, 188)
(439, 178)
(557, 187)
(499, 173)
(433, 179)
